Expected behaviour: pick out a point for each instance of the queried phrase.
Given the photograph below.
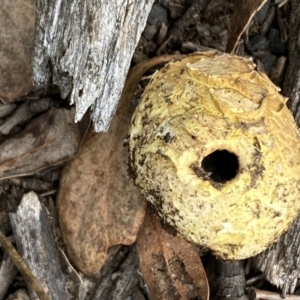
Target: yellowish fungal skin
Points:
(216, 151)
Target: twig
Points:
(266, 295)
(255, 279)
(3, 101)
(48, 193)
(34, 284)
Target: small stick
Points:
(48, 193)
(34, 284)
(278, 69)
(266, 295)
(255, 279)
(268, 21)
(282, 26)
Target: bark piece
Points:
(291, 83)
(227, 280)
(7, 109)
(170, 265)
(88, 45)
(127, 279)
(24, 113)
(277, 72)
(32, 184)
(106, 280)
(8, 272)
(255, 294)
(95, 189)
(265, 26)
(280, 263)
(187, 19)
(48, 140)
(17, 19)
(19, 295)
(240, 20)
(36, 244)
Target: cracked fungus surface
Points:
(216, 151)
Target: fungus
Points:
(221, 159)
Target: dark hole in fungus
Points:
(222, 165)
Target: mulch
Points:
(173, 27)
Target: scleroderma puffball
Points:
(216, 151)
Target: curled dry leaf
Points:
(48, 140)
(170, 265)
(98, 204)
(240, 20)
(17, 23)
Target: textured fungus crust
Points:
(214, 148)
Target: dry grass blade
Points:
(240, 20)
(170, 265)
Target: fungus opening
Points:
(222, 164)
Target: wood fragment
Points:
(30, 279)
(19, 295)
(282, 26)
(35, 242)
(226, 279)
(291, 85)
(128, 277)
(8, 271)
(88, 46)
(48, 140)
(32, 184)
(24, 113)
(187, 19)
(253, 280)
(119, 259)
(277, 71)
(3, 217)
(6, 109)
(256, 294)
(241, 18)
(230, 280)
(280, 263)
(268, 21)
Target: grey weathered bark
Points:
(291, 86)
(228, 279)
(8, 272)
(281, 262)
(86, 46)
(36, 245)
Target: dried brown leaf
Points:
(170, 265)
(17, 23)
(46, 141)
(98, 204)
(240, 20)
